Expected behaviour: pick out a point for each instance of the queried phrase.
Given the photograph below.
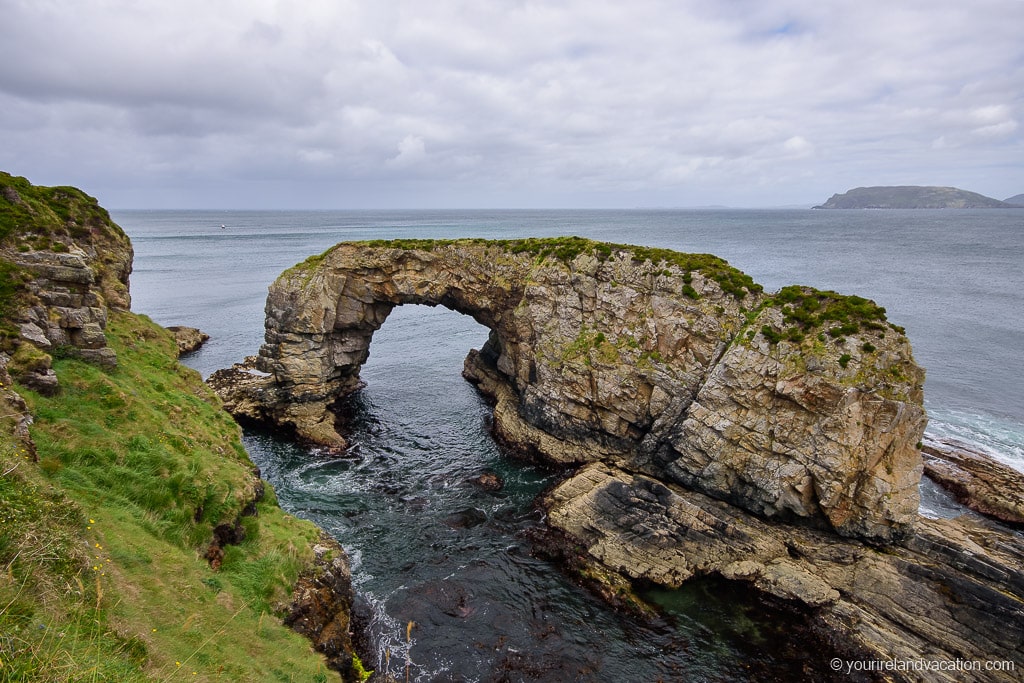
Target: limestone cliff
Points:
(64, 269)
(802, 404)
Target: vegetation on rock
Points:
(566, 249)
(807, 310)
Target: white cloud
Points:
(654, 101)
(411, 150)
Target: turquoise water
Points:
(429, 547)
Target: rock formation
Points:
(803, 404)
(976, 479)
(952, 590)
(188, 339)
(67, 263)
(708, 428)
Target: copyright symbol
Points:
(836, 664)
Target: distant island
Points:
(1016, 200)
(914, 197)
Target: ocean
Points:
(430, 548)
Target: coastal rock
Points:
(69, 264)
(188, 339)
(249, 395)
(791, 428)
(975, 479)
(953, 590)
(802, 404)
(321, 606)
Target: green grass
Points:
(11, 283)
(565, 249)
(807, 310)
(103, 539)
(35, 213)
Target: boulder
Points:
(189, 339)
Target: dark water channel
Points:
(430, 547)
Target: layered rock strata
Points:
(975, 479)
(802, 404)
(68, 263)
(952, 591)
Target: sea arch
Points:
(798, 404)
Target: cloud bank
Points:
(335, 103)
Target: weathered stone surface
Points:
(321, 606)
(784, 429)
(976, 479)
(189, 339)
(247, 394)
(72, 264)
(953, 590)
(607, 352)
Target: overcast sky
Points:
(505, 103)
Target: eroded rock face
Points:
(798, 405)
(787, 429)
(70, 265)
(321, 606)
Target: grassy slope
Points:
(102, 540)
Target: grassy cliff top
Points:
(31, 214)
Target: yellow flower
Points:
(177, 664)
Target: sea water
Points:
(430, 548)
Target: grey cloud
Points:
(655, 100)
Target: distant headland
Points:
(916, 197)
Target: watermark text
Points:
(849, 666)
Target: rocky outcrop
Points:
(321, 606)
(69, 263)
(188, 339)
(801, 404)
(953, 590)
(975, 479)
